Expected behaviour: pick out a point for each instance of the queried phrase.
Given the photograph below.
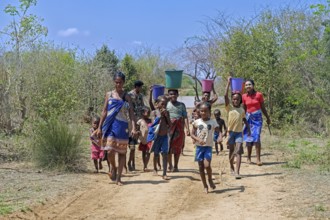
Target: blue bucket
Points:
(157, 90)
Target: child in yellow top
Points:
(236, 117)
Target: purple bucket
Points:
(207, 85)
(237, 85)
(157, 90)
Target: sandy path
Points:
(258, 195)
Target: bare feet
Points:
(119, 183)
(95, 171)
(175, 170)
(100, 165)
(166, 178)
(248, 161)
(206, 190)
(211, 183)
(155, 173)
(237, 176)
(259, 163)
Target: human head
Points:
(206, 96)
(173, 94)
(95, 121)
(197, 114)
(205, 110)
(249, 85)
(217, 113)
(138, 85)
(161, 102)
(145, 112)
(119, 80)
(236, 99)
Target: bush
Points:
(57, 146)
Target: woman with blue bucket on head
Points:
(253, 103)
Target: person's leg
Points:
(249, 146)
(170, 164)
(144, 160)
(164, 157)
(221, 146)
(207, 165)
(122, 161)
(112, 160)
(176, 162)
(258, 152)
(147, 157)
(159, 165)
(231, 158)
(156, 157)
(100, 164)
(216, 148)
(202, 174)
(238, 154)
(96, 166)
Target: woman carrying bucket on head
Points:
(253, 103)
(207, 87)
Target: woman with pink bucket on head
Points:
(253, 103)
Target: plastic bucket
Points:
(207, 85)
(173, 79)
(237, 85)
(157, 90)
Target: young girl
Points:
(143, 124)
(236, 117)
(96, 153)
(202, 133)
(159, 135)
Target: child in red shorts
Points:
(144, 123)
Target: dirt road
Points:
(262, 193)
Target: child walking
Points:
(220, 134)
(159, 132)
(144, 123)
(97, 153)
(236, 117)
(202, 133)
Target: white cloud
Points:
(137, 42)
(68, 32)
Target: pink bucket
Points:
(157, 90)
(207, 85)
(237, 85)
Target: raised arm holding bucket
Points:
(207, 87)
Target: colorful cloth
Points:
(203, 153)
(255, 121)
(177, 135)
(115, 126)
(145, 147)
(96, 151)
(160, 145)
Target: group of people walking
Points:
(126, 122)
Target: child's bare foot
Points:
(175, 170)
(206, 190)
(155, 173)
(119, 183)
(100, 165)
(211, 183)
(237, 176)
(166, 178)
(259, 163)
(248, 161)
(232, 172)
(113, 174)
(159, 167)
(170, 168)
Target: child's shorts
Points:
(203, 153)
(216, 136)
(160, 144)
(235, 137)
(131, 143)
(97, 153)
(145, 147)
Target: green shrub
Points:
(57, 146)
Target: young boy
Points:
(236, 117)
(220, 134)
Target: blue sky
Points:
(125, 25)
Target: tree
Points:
(22, 33)
(130, 71)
